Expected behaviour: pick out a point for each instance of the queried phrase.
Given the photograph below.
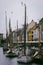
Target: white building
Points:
(36, 34)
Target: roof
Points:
(31, 25)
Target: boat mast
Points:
(10, 35)
(10, 30)
(17, 32)
(6, 29)
(25, 31)
(39, 35)
(39, 40)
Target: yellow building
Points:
(30, 34)
(30, 30)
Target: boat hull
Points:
(11, 55)
(38, 60)
(24, 60)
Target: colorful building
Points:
(30, 34)
(36, 33)
(30, 30)
(41, 25)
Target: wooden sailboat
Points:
(24, 59)
(38, 57)
(10, 53)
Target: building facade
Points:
(41, 24)
(30, 30)
(36, 34)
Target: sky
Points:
(15, 11)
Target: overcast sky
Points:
(34, 11)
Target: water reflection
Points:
(8, 61)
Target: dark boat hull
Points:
(38, 60)
(24, 60)
(11, 55)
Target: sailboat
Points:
(10, 53)
(38, 56)
(24, 59)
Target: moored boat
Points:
(11, 54)
(24, 59)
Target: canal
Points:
(8, 61)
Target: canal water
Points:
(8, 61)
